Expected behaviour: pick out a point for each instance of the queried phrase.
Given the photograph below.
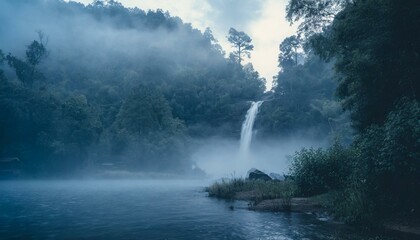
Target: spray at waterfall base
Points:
(223, 157)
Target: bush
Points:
(317, 171)
(389, 161)
(377, 177)
(226, 188)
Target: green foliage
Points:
(208, 35)
(213, 103)
(36, 51)
(145, 111)
(289, 52)
(390, 161)
(259, 189)
(353, 204)
(82, 124)
(374, 50)
(314, 14)
(23, 69)
(26, 70)
(242, 43)
(46, 132)
(133, 104)
(337, 175)
(377, 176)
(145, 124)
(316, 171)
(303, 101)
(226, 188)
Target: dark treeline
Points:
(373, 48)
(303, 101)
(107, 84)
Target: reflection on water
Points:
(143, 210)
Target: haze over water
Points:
(142, 209)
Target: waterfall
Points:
(247, 126)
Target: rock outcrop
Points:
(255, 174)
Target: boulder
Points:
(255, 174)
(277, 176)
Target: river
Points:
(143, 209)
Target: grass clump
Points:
(253, 190)
(226, 188)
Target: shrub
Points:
(377, 177)
(226, 188)
(317, 171)
(389, 161)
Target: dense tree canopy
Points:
(290, 52)
(314, 14)
(377, 65)
(126, 87)
(303, 102)
(375, 53)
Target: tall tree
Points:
(35, 53)
(36, 50)
(375, 53)
(208, 36)
(376, 56)
(289, 52)
(242, 43)
(314, 15)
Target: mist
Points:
(221, 157)
(96, 56)
(73, 29)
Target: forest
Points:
(104, 84)
(373, 46)
(134, 93)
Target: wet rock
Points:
(255, 174)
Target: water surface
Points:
(140, 209)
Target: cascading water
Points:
(247, 126)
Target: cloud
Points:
(78, 38)
(234, 13)
(268, 32)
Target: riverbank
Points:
(280, 196)
(274, 196)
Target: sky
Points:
(263, 20)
